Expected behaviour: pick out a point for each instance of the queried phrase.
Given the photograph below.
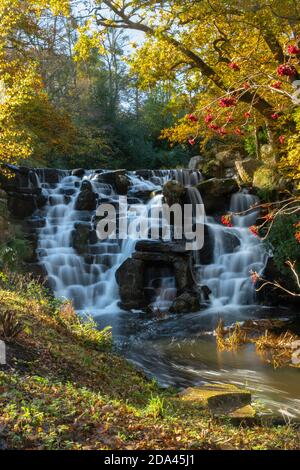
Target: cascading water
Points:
(236, 252)
(177, 350)
(89, 280)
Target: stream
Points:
(177, 350)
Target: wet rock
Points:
(141, 195)
(228, 158)
(207, 251)
(87, 199)
(51, 175)
(130, 278)
(118, 179)
(79, 172)
(67, 191)
(219, 398)
(230, 241)
(160, 246)
(86, 185)
(206, 292)
(36, 222)
(185, 303)
(146, 174)
(181, 266)
(24, 205)
(122, 184)
(216, 193)
(246, 169)
(173, 192)
(80, 237)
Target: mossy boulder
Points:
(173, 192)
(216, 193)
(266, 178)
(80, 237)
(222, 400)
(246, 169)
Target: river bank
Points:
(59, 392)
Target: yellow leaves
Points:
(87, 42)
(58, 7)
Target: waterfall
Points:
(236, 252)
(88, 278)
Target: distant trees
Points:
(232, 64)
(67, 97)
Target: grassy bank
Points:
(63, 388)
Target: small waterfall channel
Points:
(236, 252)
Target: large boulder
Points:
(246, 169)
(51, 175)
(216, 193)
(173, 192)
(87, 199)
(227, 158)
(266, 178)
(81, 237)
(23, 205)
(118, 179)
(186, 302)
(79, 172)
(122, 184)
(130, 278)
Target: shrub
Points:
(285, 246)
(156, 407)
(84, 329)
(10, 326)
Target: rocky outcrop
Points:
(266, 178)
(216, 193)
(22, 205)
(186, 302)
(24, 195)
(246, 169)
(87, 199)
(79, 172)
(131, 276)
(173, 192)
(222, 400)
(228, 158)
(81, 237)
(51, 175)
(118, 179)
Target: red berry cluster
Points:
(227, 220)
(286, 70)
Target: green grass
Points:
(63, 388)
